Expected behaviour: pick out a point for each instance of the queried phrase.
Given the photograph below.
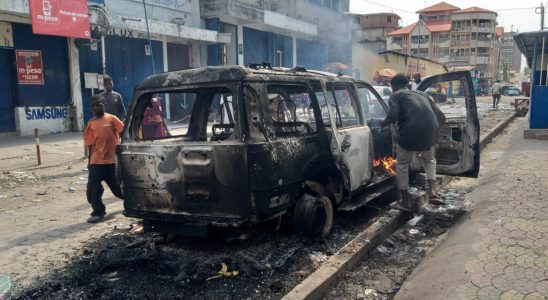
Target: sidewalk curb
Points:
(321, 281)
(488, 137)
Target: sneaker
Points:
(95, 219)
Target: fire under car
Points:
(244, 145)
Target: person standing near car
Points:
(417, 80)
(495, 91)
(114, 104)
(418, 129)
(101, 137)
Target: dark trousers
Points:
(97, 174)
(496, 99)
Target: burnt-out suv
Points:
(244, 145)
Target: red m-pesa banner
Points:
(60, 17)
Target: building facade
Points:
(308, 33)
(370, 31)
(455, 37)
(510, 59)
(180, 34)
(57, 99)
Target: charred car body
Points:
(250, 144)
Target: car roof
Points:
(234, 73)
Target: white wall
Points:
(46, 119)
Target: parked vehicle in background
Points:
(257, 143)
(510, 90)
(384, 91)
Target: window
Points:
(443, 51)
(203, 114)
(397, 40)
(345, 105)
(443, 37)
(375, 110)
(389, 19)
(290, 110)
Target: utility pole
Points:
(540, 10)
(419, 44)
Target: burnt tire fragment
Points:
(313, 217)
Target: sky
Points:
(521, 13)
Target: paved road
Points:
(500, 248)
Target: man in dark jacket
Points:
(114, 104)
(417, 135)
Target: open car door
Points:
(458, 149)
(375, 109)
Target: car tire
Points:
(313, 217)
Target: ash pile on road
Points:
(381, 275)
(265, 264)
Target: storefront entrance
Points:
(7, 92)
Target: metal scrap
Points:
(224, 272)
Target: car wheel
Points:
(313, 217)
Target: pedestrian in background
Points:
(114, 104)
(101, 137)
(495, 91)
(417, 80)
(418, 129)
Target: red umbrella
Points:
(336, 66)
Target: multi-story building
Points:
(459, 38)
(307, 33)
(371, 30)
(510, 57)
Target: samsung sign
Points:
(47, 113)
(48, 119)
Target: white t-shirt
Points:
(414, 86)
(495, 89)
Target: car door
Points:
(458, 148)
(375, 109)
(351, 140)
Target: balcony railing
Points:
(460, 58)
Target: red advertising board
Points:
(29, 66)
(60, 17)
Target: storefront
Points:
(34, 81)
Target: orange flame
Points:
(387, 163)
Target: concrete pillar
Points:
(294, 51)
(77, 109)
(241, 45)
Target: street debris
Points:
(382, 249)
(415, 220)
(413, 231)
(16, 195)
(224, 272)
(42, 193)
(137, 228)
(72, 189)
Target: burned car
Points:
(245, 145)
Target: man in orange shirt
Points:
(101, 137)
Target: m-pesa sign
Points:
(29, 66)
(60, 17)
